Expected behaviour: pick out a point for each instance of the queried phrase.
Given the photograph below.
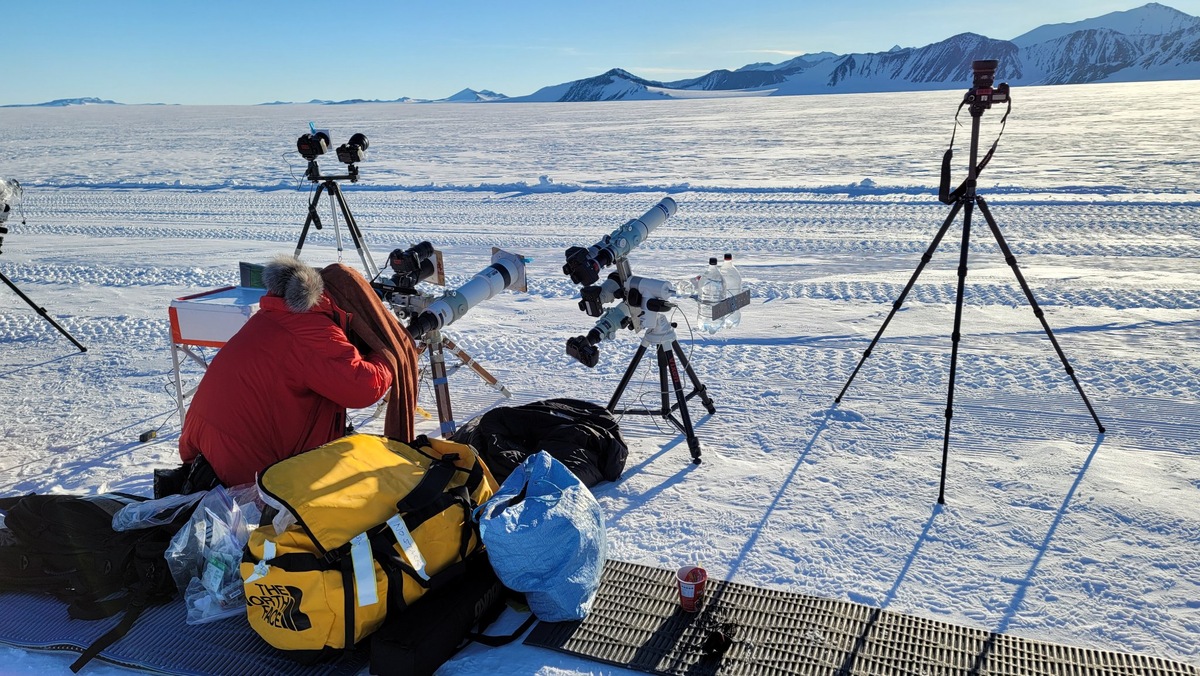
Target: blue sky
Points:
(254, 51)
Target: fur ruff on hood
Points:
(299, 285)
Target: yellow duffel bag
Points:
(377, 523)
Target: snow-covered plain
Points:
(1050, 531)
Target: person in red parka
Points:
(283, 382)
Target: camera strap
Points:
(944, 194)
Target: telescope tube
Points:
(506, 270)
(627, 237)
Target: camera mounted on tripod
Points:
(978, 98)
(637, 295)
(642, 305)
(317, 143)
(982, 94)
(583, 264)
(414, 264)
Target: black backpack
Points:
(65, 545)
(581, 435)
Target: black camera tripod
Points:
(979, 98)
(329, 184)
(661, 334)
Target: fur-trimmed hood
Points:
(299, 285)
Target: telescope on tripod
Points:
(641, 305)
(10, 196)
(978, 99)
(426, 315)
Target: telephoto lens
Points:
(985, 72)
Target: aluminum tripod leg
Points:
(475, 366)
(441, 383)
(1037, 310)
(360, 245)
(41, 311)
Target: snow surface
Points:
(1051, 530)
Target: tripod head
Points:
(643, 302)
(313, 174)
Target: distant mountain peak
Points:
(1149, 19)
(59, 103)
(469, 95)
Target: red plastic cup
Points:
(691, 582)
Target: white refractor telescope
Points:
(507, 271)
(583, 265)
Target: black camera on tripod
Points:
(354, 150)
(317, 143)
(982, 95)
(412, 265)
(311, 145)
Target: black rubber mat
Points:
(160, 642)
(636, 623)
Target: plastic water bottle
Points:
(733, 286)
(712, 291)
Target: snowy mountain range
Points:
(1151, 42)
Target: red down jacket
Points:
(279, 387)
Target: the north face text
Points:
(280, 606)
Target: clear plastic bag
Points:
(204, 555)
(145, 514)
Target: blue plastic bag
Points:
(544, 534)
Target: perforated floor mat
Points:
(160, 642)
(636, 623)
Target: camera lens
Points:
(985, 71)
(354, 150)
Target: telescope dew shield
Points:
(507, 271)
